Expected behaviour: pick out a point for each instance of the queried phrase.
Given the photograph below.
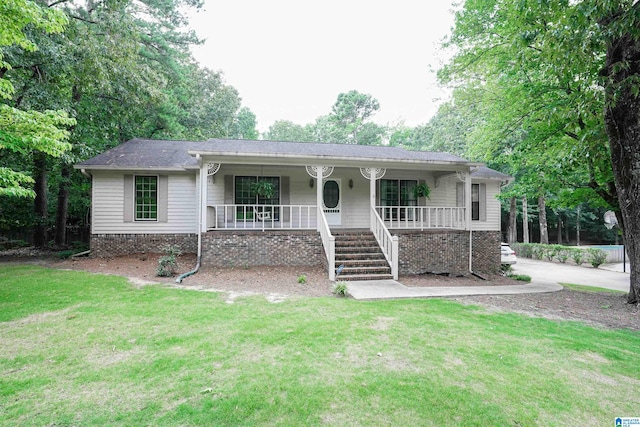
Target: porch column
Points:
(319, 193)
(202, 176)
(466, 178)
(372, 174)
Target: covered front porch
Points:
(329, 199)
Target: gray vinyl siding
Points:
(108, 209)
(492, 208)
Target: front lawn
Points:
(85, 349)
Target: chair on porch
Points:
(261, 215)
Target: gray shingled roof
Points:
(159, 154)
(316, 149)
(484, 172)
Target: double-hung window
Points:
(146, 198)
(397, 194)
(260, 207)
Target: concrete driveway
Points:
(553, 272)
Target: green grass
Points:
(84, 349)
(592, 289)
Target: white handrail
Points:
(261, 217)
(387, 242)
(328, 242)
(423, 217)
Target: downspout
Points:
(468, 215)
(199, 256)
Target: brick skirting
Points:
(110, 245)
(420, 251)
(447, 251)
(252, 248)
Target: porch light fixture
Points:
(351, 183)
(311, 183)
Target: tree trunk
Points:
(578, 226)
(623, 128)
(542, 219)
(512, 232)
(525, 221)
(559, 229)
(40, 206)
(63, 206)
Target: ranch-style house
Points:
(367, 211)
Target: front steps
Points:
(361, 256)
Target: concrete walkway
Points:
(391, 289)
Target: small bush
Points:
(577, 256)
(520, 277)
(168, 263)
(340, 289)
(597, 257)
(505, 269)
(562, 253)
(65, 254)
(302, 279)
(538, 252)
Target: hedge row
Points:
(595, 257)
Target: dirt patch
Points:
(277, 283)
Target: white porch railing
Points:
(262, 217)
(387, 242)
(329, 243)
(422, 217)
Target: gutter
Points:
(199, 258)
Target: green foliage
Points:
(340, 289)
(302, 279)
(421, 190)
(285, 130)
(264, 189)
(577, 256)
(520, 277)
(596, 257)
(562, 253)
(168, 263)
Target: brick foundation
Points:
(110, 245)
(251, 248)
(447, 251)
(420, 251)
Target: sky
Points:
(290, 59)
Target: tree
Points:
(350, 115)
(514, 54)
(285, 130)
(245, 125)
(24, 131)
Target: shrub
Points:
(538, 252)
(168, 263)
(597, 257)
(520, 277)
(524, 250)
(577, 255)
(302, 279)
(340, 289)
(505, 269)
(562, 253)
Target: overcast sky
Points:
(290, 59)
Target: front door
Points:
(331, 201)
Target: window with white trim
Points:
(475, 202)
(146, 198)
(244, 195)
(397, 192)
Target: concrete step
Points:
(350, 256)
(362, 262)
(355, 277)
